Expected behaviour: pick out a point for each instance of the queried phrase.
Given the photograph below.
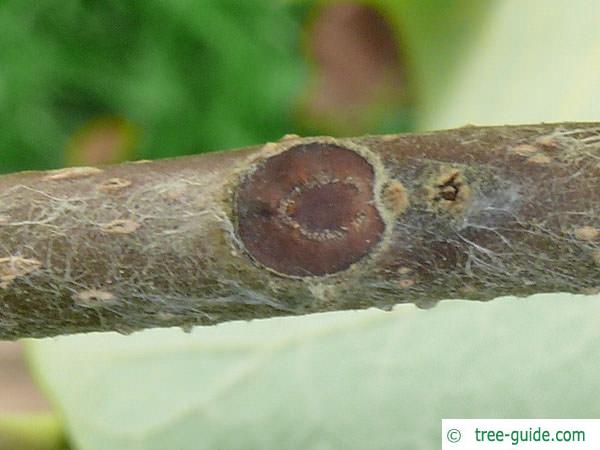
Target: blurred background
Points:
(85, 82)
(99, 82)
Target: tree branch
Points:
(301, 226)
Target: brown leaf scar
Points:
(309, 210)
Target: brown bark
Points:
(374, 221)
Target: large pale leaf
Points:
(349, 381)
(536, 60)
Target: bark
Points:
(301, 226)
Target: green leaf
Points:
(191, 76)
(31, 432)
(437, 37)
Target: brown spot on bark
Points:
(540, 158)
(70, 173)
(120, 226)
(309, 211)
(467, 290)
(14, 267)
(404, 284)
(547, 141)
(93, 297)
(587, 233)
(175, 194)
(113, 185)
(323, 292)
(395, 197)
(165, 317)
(524, 149)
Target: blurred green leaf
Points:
(192, 76)
(437, 37)
(358, 82)
(31, 432)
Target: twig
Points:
(301, 226)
